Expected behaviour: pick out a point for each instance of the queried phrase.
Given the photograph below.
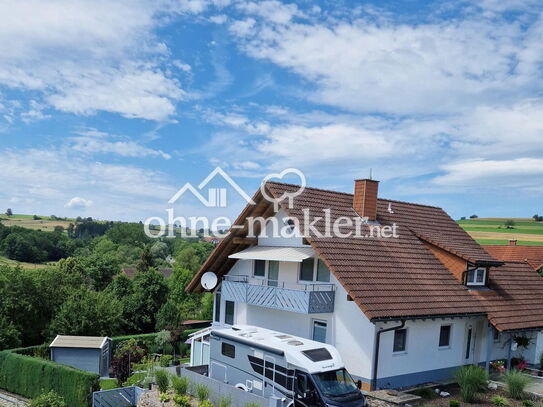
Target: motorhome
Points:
(301, 372)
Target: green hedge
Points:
(147, 340)
(30, 377)
(36, 351)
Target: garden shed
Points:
(89, 353)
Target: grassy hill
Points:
(493, 230)
(27, 221)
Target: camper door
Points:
(305, 394)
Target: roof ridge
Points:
(350, 194)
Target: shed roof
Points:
(86, 342)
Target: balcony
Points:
(302, 298)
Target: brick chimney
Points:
(365, 198)
(512, 242)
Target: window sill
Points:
(444, 347)
(399, 353)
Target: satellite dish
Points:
(209, 280)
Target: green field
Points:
(493, 230)
(27, 221)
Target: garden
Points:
(473, 388)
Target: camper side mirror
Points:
(359, 384)
(310, 395)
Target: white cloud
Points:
(92, 141)
(88, 56)
(441, 66)
(78, 203)
(517, 173)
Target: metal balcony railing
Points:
(305, 298)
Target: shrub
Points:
(202, 392)
(528, 403)
(180, 385)
(472, 380)
(500, 401)
(454, 403)
(50, 399)
(425, 393)
(135, 380)
(515, 383)
(162, 380)
(225, 402)
(164, 397)
(30, 377)
(165, 360)
(182, 401)
(205, 403)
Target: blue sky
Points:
(107, 108)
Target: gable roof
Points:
(387, 278)
(533, 255)
(87, 342)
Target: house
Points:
(401, 311)
(533, 255)
(89, 353)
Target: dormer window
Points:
(476, 277)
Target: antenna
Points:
(209, 281)
(370, 173)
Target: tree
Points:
(146, 261)
(509, 224)
(126, 354)
(188, 259)
(473, 217)
(10, 337)
(537, 218)
(9, 212)
(150, 292)
(88, 313)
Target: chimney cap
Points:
(366, 179)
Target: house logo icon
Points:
(216, 197)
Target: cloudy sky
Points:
(107, 108)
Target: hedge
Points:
(30, 377)
(147, 340)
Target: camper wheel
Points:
(242, 387)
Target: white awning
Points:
(295, 254)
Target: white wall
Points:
(267, 236)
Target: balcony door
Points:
(273, 273)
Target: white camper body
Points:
(299, 371)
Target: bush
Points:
(182, 401)
(528, 403)
(30, 377)
(205, 403)
(454, 403)
(202, 392)
(162, 380)
(225, 402)
(515, 383)
(425, 393)
(472, 380)
(499, 401)
(135, 380)
(165, 360)
(180, 385)
(50, 399)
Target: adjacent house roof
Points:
(87, 342)
(388, 278)
(533, 255)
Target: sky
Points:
(108, 108)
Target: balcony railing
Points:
(310, 298)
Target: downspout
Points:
(376, 352)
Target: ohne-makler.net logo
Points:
(325, 226)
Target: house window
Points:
(400, 340)
(229, 312)
(260, 268)
(218, 307)
(323, 274)
(319, 331)
(228, 350)
(445, 336)
(306, 269)
(476, 277)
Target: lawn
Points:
(108, 384)
(493, 230)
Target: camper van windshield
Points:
(335, 383)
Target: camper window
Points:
(228, 350)
(229, 312)
(317, 355)
(218, 307)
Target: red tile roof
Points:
(533, 255)
(388, 278)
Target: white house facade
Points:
(393, 329)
